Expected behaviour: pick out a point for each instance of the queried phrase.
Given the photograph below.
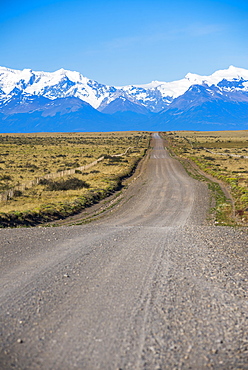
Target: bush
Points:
(44, 182)
(6, 177)
(71, 183)
(17, 193)
(208, 158)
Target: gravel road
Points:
(148, 286)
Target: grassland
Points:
(223, 155)
(25, 157)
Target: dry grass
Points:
(25, 157)
(223, 154)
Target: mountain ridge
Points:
(63, 96)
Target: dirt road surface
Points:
(148, 286)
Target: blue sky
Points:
(120, 42)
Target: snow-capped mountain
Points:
(63, 93)
(207, 108)
(52, 85)
(158, 95)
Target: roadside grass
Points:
(223, 155)
(25, 157)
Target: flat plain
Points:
(26, 157)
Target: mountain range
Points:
(66, 101)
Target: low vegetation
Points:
(224, 156)
(26, 157)
(71, 183)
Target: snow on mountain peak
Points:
(51, 85)
(155, 95)
(231, 73)
(11, 78)
(72, 75)
(223, 74)
(194, 78)
(151, 85)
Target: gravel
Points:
(148, 286)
